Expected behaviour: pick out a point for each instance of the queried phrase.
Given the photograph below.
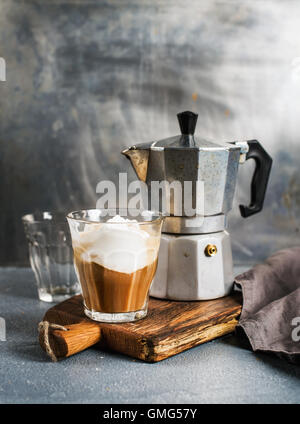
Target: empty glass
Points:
(51, 256)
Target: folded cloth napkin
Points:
(270, 316)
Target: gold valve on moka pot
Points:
(211, 250)
(195, 259)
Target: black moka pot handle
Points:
(263, 164)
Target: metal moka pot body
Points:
(189, 158)
(195, 258)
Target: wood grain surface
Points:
(169, 328)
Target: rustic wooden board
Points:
(170, 327)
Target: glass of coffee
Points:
(115, 258)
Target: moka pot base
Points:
(194, 267)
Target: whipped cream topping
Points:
(119, 244)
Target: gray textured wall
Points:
(87, 78)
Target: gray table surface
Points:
(217, 372)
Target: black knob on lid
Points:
(187, 122)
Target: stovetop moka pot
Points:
(195, 258)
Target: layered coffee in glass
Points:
(115, 257)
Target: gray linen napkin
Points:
(270, 316)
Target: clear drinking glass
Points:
(115, 257)
(51, 255)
